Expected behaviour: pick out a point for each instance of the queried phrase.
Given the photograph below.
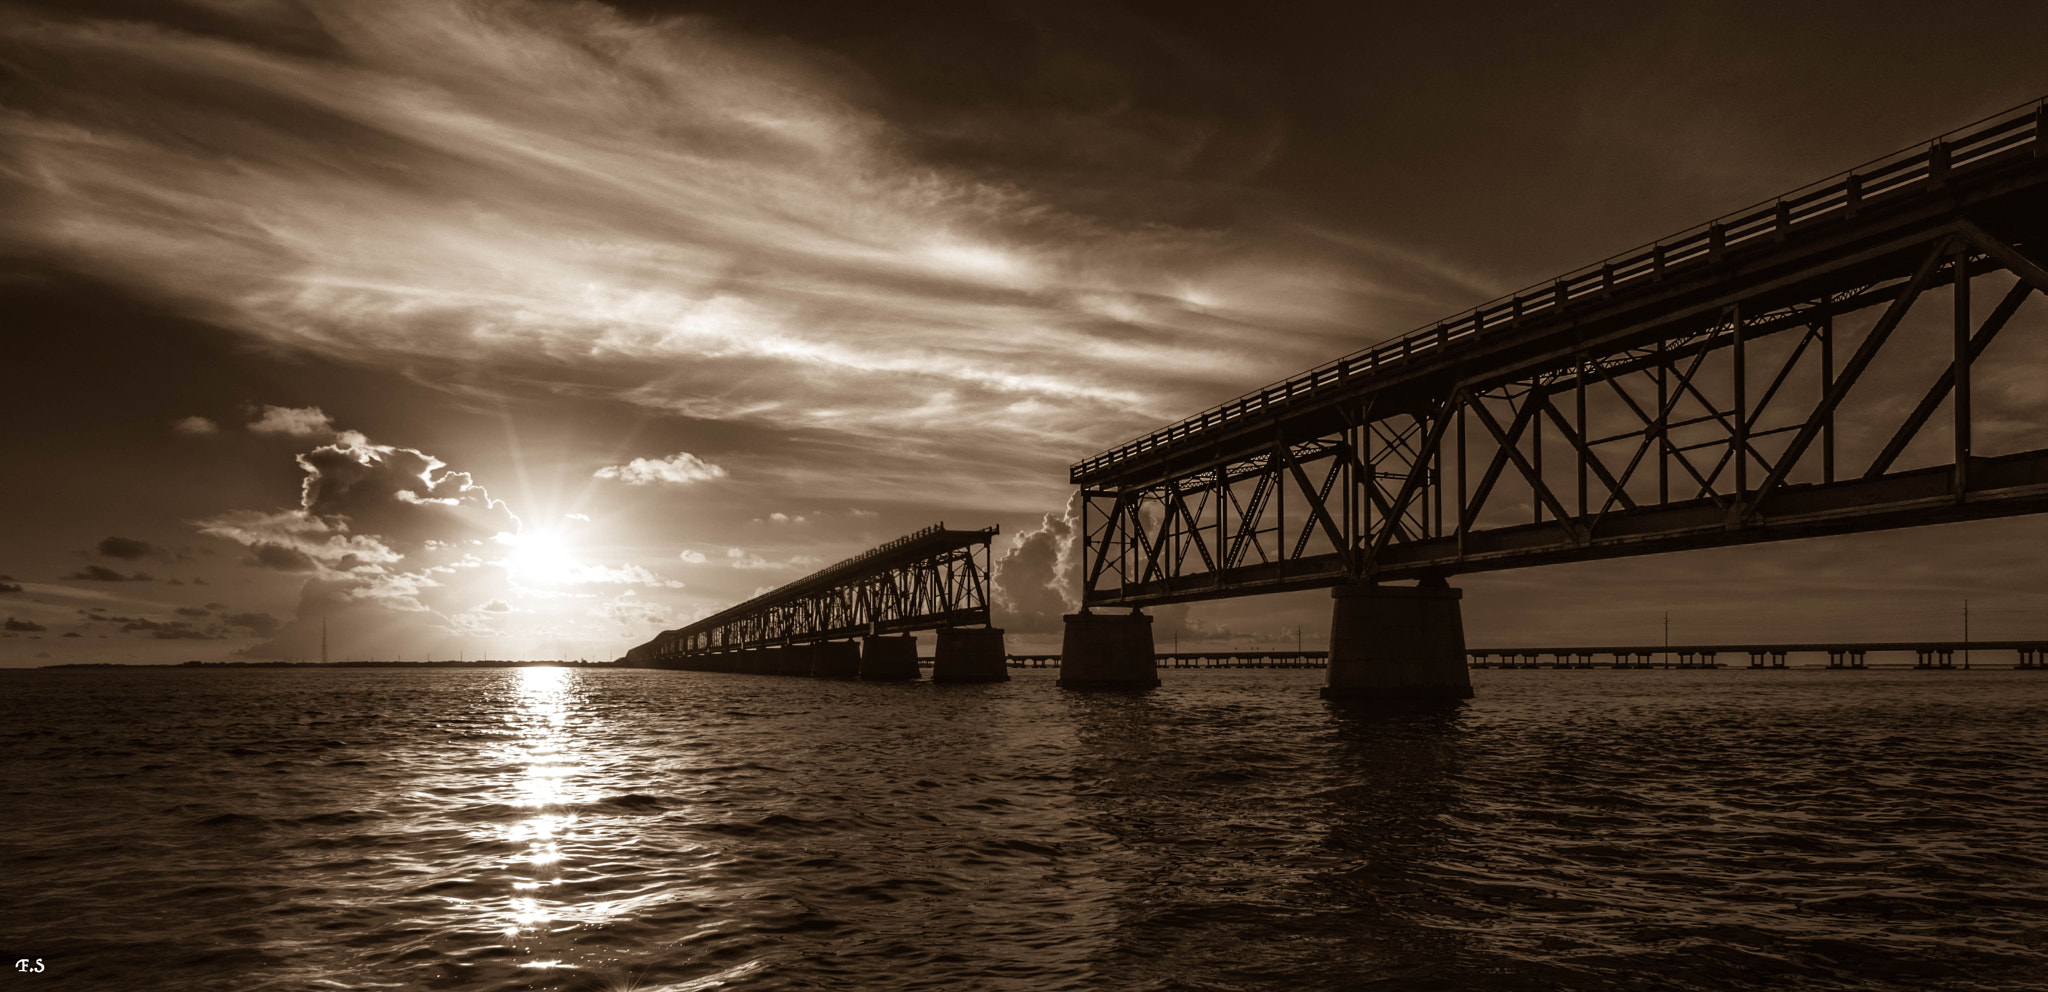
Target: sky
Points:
(528, 329)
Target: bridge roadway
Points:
(1929, 654)
(1699, 391)
(1841, 654)
(855, 618)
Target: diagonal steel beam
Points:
(1315, 502)
(1112, 522)
(1195, 529)
(1940, 390)
(2026, 268)
(1529, 473)
(1248, 520)
(1487, 479)
(1157, 546)
(1571, 437)
(1756, 412)
(1721, 418)
(1865, 353)
(1668, 401)
(1653, 433)
(1417, 471)
(1368, 474)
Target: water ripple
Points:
(665, 830)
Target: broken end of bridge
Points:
(856, 618)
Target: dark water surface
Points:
(682, 831)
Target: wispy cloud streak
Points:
(700, 222)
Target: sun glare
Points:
(542, 556)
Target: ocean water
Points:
(618, 829)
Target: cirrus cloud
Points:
(694, 220)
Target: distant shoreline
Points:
(345, 664)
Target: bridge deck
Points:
(909, 549)
(932, 578)
(1857, 210)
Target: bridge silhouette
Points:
(1699, 391)
(1687, 394)
(855, 618)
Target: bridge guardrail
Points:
(1962, 149)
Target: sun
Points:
(541, 556)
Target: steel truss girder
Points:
(945, 586)
(1364, 501)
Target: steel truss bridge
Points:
(1800, 368)
(923, 581)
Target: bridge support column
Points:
(889, 659)
(1397, 643)
(787, 659)
(1108, 651)
(970, 654)
(835, 659)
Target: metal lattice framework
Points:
(932, 578)
(1697, 392)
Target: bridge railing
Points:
(1967, 149)
(826, 574)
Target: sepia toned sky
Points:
(527, 329)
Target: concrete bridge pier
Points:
(785, 659)
(1108, 651)
(835, 659)
(1390, 643)
(889, 658)
(970, 654)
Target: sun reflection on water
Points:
(544, 744)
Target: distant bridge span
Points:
(934, 579)
(1699, 391)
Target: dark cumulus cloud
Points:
(388, 537)
(364, 509)
(101, 573)
(167, 630)
(259, 624)
(129, 549)
(24, 626)
(1033, 577)
(7, 587)
(277, 557)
